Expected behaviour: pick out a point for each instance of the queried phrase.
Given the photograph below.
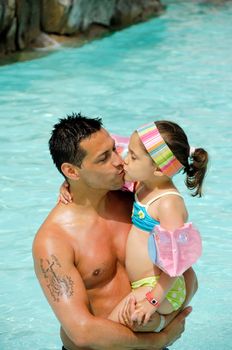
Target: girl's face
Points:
(138, 165)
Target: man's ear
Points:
(70, 171)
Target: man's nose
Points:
(117, 160)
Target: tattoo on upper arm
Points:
(58, 285)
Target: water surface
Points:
(176, 67)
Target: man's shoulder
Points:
(52, 227)
(51, 218)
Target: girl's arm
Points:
(149, 305)
(171, 214)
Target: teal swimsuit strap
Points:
(155, 198)
(162, 195)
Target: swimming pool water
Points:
(176, 67)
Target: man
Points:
(79, 251)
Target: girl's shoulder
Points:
(171, 209)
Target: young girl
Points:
(157, 151)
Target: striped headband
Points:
(159, 150)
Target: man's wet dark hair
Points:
(64, 144)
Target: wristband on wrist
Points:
(161, 325)
(152, 300)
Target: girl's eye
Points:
(133, 157)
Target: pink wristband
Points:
(152, 300)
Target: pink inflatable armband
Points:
(121, 143)
(174, 252)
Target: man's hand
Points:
(174, 330)
(143, 312)
(128, 309)
(124, 315)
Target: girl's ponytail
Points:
(196, 169)
(194, 160)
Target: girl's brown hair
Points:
(195, 166)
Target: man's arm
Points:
(169, 335)
(66, 294)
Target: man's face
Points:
(102, 167)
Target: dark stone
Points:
(28, 19)
(8, 26)
(70, 16)
(133, 11)
(27, 23)
(55, 14)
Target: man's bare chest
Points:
(99, 251)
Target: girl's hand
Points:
(65, 196)
(124, 315)
(143, 312)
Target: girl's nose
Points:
(126, 159)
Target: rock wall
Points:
(32, 23)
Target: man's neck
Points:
(88, 197)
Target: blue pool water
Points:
(176, 67)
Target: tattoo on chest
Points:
(59, 285)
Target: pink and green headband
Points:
(159, 150)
